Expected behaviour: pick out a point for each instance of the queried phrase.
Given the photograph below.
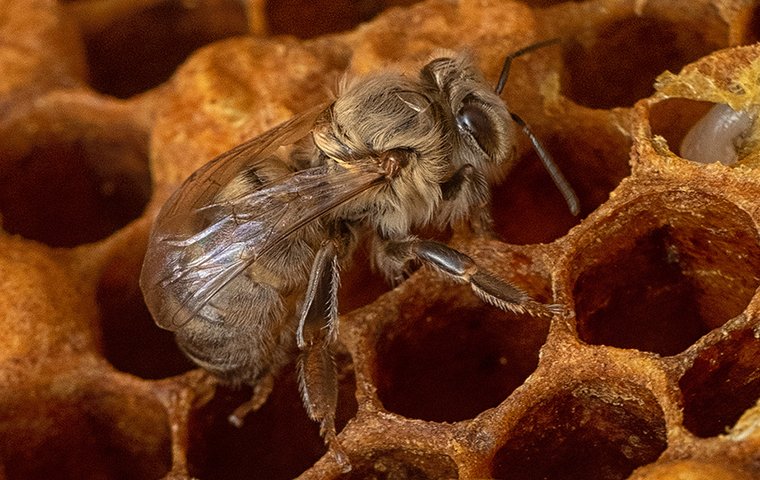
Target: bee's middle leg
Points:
(317, 331)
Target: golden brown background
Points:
(105, 106)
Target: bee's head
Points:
(484, 134)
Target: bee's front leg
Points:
(462, 268)
(317, 331)
(466, 196)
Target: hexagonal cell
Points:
(720, 134)
(277, 442)
(618, 65)
(589, 430)
(359, 284)
(103, 432)
(664, 270)
(131, 49)
(306, 19)
(72, 171)
(131, 340)
(407, 464)
(528, 208)
(454, 361)
(753, 28)
(674, 117)
(722, 383)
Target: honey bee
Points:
(243, 260)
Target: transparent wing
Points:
(200, 243)
(205, 183)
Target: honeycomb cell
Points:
(131, 340)
(722, 382)
(99, 433)
(359, 283)
(454, 361)
(406, 464)
(753, 30)
(590, 430)
(548, 3)
(619, 65)
(702, 131)
(72, 172)
(277, 442)
(674, 117)
(307, 19)
(130, 50)
(659, 278)
(528, 208)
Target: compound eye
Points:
(473, 119)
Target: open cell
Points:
(656, 277)
(57, 195)
(527, 206)
(72, 172)
(278, 441)
(753, 28)
(307, 19)
(721, 384)
(102, 433)
(619, 64)
(131, 340)
(674, 117)
(453, 362)
(703, 132)
(132, 50)
(590, 431)
(360, 284)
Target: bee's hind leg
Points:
(317, 331)
(261, 392)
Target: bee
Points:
(244, 258)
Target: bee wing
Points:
(189, 262)
(204, 184)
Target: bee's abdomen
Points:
(240, 336)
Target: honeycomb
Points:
(654, 374)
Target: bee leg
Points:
(465, 189)
(261, 392)
(317, 331)
(462, 268)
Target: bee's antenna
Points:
(508, 61)
(559, 180)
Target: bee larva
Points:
(243, 260)
(718, 135)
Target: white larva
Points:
(717, 136)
